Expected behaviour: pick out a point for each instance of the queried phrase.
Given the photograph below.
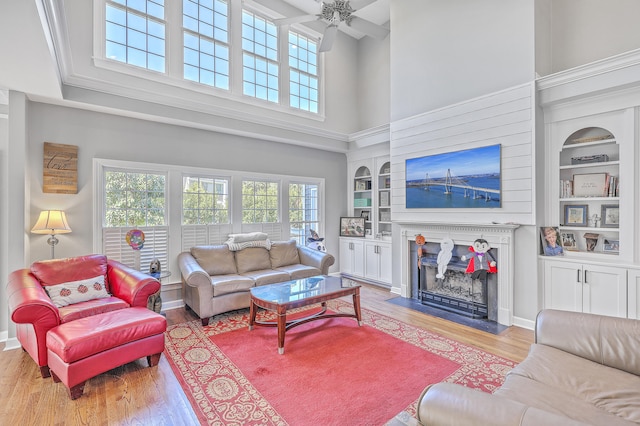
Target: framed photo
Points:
(365, 214)
(610, 216)
(550, 239)
(575, 215)
(569, 241)
(589, 185)
(352, 227)
(611, 246)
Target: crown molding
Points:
(616, 72)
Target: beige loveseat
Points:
(216, 279)
(582, 369)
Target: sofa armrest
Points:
(455, 405)
(614, 342)
(29, 303)
(192, 273)
(316, 258)
(131, 285)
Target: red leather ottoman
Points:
(82, 349)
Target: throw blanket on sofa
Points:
(238, 242)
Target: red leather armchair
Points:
(35, 314)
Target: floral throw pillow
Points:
(77, 291)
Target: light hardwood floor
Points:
(137, 395)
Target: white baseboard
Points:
(174, 304)
(11, 344)
(524, 323)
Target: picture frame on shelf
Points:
(352, 227)
(361, 185)
(590, 185)
(365, 214)
(610, 216)
(611, 246)
(550, 239)
(569, 241)
(575, 215)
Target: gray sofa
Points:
(216, 279)
(582, 369)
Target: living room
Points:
(381, 99)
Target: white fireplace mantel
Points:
(499, 236)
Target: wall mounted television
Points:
(464, 179)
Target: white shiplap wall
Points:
(506, 118)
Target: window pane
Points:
(303, 70)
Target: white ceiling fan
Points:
(334, 13)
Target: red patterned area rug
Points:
(333, 372)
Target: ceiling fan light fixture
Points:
(337, 11)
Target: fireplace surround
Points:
(499, 236)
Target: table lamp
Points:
(51, 222)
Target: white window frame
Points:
(303, 238)
(183, 238)
(174, 64)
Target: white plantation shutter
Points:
(156, 246)
(203, 235)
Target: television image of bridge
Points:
(434, 181)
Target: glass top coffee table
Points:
(281, 297)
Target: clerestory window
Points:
(206, 42)
(303, 72)
(135, 33)
(259, 57)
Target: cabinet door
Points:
(346, 256)
(358, 258)
(371, 261)
(386, 263)
(633, 294)
(604, 291)
(563, 286)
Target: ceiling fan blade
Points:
(369, 28)
(359, 4)
(295, 19)
(328, 38)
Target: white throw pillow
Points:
(77, 291)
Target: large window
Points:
(303, 72)
(205, 201)
(206, 38)
(303, 210)
(245, 64)
(135, 33)
(135, 200)
(259, 57)
(260, 200)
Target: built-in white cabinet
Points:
(352, 256)
(585, 287)
(378, 261)
(633, 293)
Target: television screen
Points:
(460, 179)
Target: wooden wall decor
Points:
(60, 169)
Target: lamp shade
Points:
(51, 222)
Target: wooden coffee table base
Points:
(281, 310)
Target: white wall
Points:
(4, 212)
(444, 52)
(373, 82)
(100, 135)
(584, 31)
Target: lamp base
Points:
(52, 241)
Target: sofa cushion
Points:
(215, 260)
(576, 384)
(231, 283)
(284, 253)
(58, 271)
(267, 276)
(299, 271)
(77, 291)
(252, 259)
